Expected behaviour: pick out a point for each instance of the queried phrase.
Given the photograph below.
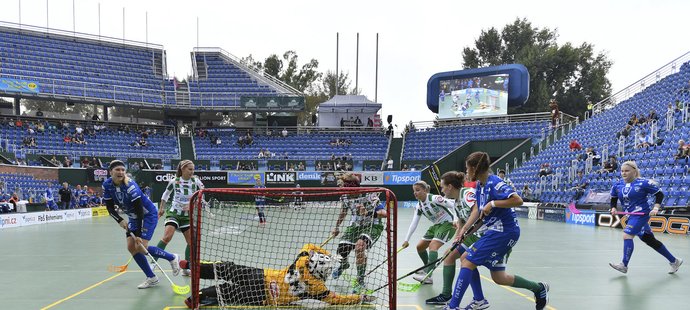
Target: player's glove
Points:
(123, 224)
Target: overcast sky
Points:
(417, 38)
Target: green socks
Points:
(433, 255)
(521, 282)
(448, 276)
(186, 253)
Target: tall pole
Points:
(123, 25)
(147, 28)
(357, 66)
(74, 19)
(376, 79)
(20, 14)
(99, 20)
(197, 32)
(337, 42)
(47, 26)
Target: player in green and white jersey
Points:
(440, 211)
(175, 205)
(366, 225)
(454, 187)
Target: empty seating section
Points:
(82, 68)
(600, 132)
(26, 186)
(434, 143)
(105, 143)
(222, 83)
(365, 146)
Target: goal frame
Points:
(196, 219)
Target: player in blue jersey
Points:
(495, 200)
(50, 198)
(84, 197)
(143, 217)
(260, 201)
(632, 192)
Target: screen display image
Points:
(473, 97)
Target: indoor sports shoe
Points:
(360, 288)
(149, 282)
(675, 265)
(175, 264)
(620, 267)
(343, 266)
(477, 305)
(542, 298)
(438, 300)
(420, 273)
(186, 272)
(423, 279)
(447, 307)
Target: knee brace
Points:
(651, 241)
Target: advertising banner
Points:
(371, 178)
(283, 178)
(586, 217)
(22, 86)
(96, 175)
(244, 178)
(401, 177)
(551, 214)
(672, 224)
(308, 176)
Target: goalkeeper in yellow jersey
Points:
(243, 285)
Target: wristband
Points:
(493, 204)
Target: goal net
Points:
(279, 248)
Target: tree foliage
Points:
(316, 86)
(570, 74)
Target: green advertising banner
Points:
(272, 103)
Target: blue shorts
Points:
(492, 248)
(149, 223)
(637, 225)
(50, 204)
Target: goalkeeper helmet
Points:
(320, 265)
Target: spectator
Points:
(285, 132)
(78, 129)
(502, 175)
(683, 150)
(85, 162)
(405, 167)
(611, 165)
(625, 132)
(644, 141)
(40, 127)
(526, 193)
(269, 132)
(370, 122)
(545, 170)
(67, 162)
(55, 161)
(581, 184)
(555, 112)
(95, 117)
(39, 113)
(596, 159)
(389, 164)
(633, 120)
(94, 162)
(65, 196)
(575, 146)
(653, 115)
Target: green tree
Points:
(570, 74)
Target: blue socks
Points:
(628, 247)
(461, 285)
(158, 253)
(476, 285)
(143, 264)
(663, 251)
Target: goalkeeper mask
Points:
(320, 265)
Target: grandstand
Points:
(600, 132)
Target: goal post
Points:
(294, 256)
